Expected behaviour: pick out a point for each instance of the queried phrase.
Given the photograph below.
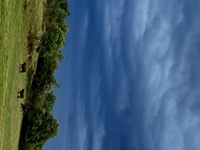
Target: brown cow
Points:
(23, 66)
(21, 94)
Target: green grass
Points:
(12, 50)
(16, 19)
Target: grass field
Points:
(17, 18)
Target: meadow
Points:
(18, 18)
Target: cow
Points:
(21, 94)
(23, 107)
(23, 66)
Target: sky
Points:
(131, 76)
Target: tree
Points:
(42, 126)
(46, 86)
(49, 102)
(52, 42)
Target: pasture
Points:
(18, 18)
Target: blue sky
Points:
(131, 76)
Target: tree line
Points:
(39, 125)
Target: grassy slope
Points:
(15, 22)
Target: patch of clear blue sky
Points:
(130, 80)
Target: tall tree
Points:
(42, 126)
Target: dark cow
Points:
(23, 107)
(21, 94)
(23, 66)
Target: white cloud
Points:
(98, 134)
(140, 15)
(166, 78)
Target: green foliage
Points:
(52, 42)
(45, 87)
(58, 9)
(64, 26)
(49, 102)
(64, 6)
(48, 65)
(42, 126)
